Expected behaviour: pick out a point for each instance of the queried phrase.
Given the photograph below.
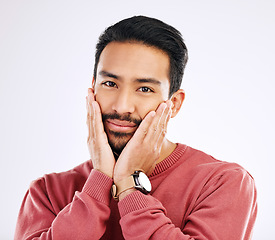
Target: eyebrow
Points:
(138, 80)
(148, 80)
(107, 74)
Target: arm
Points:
(225, 209)
(83, 218)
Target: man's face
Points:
(132, 80)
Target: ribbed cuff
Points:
(133, 202)
(98, 186)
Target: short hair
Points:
(151, 32)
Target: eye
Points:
(109, 84)
(145, 89)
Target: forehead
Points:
(134, 60)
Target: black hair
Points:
(151, 32)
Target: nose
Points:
(124, 103)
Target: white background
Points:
(46, 66)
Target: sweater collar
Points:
(170, 160)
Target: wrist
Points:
(120, 177)
(136, 181)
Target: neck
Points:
(166, 149)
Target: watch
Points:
(137, 180)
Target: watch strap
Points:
(122, 186)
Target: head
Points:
(150, 32)
(139, 63)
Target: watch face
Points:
(144, 182)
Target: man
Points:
(139, 65)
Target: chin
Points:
(118, 141)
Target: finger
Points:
(154, 127)
(91, 95)
(90, 116)
(163, 124)
(98, 124)
(88, 107)
(143, 128)
(165, 117)
(160, 126)
(89, 99)
(90, 120)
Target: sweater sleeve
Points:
(84, 218)
(225, 209)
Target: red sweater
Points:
(194, 196)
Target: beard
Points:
(118, 140)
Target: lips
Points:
(120, 126)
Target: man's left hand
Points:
(143, 150)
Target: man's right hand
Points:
(100, 151)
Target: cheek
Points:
(104, 103)
(147, 106)
(152, 103)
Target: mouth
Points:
(116, 125)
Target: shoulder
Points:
(59, 188)
(213, 172)
(196, 158)
(77, 174)
(200, 167)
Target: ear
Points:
(177, 100)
